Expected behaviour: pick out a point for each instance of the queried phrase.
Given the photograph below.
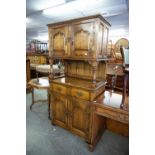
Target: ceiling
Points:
(39, 13)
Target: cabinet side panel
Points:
(105, 41)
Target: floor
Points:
(42, 138)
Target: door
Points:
(59, 109)
(80, 117)
(82, 42)
(58, 41)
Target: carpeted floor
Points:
(42, 138)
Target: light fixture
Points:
(54, 4)
(27, 20)
(71, 7)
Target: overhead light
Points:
(53, 4)
(56, 2)
(59, 10)
(69, 8)
(27, 20)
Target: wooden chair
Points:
(125, 56)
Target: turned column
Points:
(51, 75)
(94, 65)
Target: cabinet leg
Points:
(53, 123)
(91, 147)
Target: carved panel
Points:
(59, 109)
(59, 41)
(82, 40)
(84, 70)
(80, 120)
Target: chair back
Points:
(125, 56)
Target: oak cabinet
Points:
(80, 38)
(81, 45)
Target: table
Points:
(107, 106)
(40, 83)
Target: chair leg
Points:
(32, 99)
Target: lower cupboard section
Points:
(72, 114)
(79, 117)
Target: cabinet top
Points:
(79, 19)
(79, 83)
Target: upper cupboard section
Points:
(80, 38)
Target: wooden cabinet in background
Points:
(28, 75)
(37, 58)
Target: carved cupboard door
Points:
(80, 117)
(58, 41)
(82, 39)
(59, 109)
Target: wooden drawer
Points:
(106, 113)
(79, 93)
(59, 88)
(113, 115)
(123, 118)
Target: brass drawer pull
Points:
(121, 117)
(79, 93)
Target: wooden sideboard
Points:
(71, 104)
(81, 45)
(37, 58)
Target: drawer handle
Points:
(79, 93)
(121, 117)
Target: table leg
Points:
(124, 91)
(32, 99)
